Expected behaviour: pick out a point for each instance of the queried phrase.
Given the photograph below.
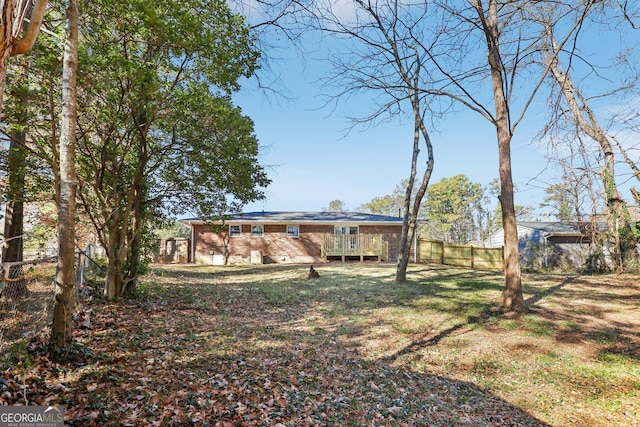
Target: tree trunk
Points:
(12, 249)
(409, 224)
(114, 279)
(408, 220)
(116, 255)
(14, 209)
(6, 40)
(135, 230)
(61, 328)
(512, 298)
(11, 23)
(135, 239)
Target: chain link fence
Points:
(27, 295)
(26, 299)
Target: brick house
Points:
(295, 237)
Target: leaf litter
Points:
(226, 350)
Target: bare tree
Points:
(493, 42)
(577, 185)
(490, 22)
(468, 52)
(389, 67)
(61, 327)
(561, 63)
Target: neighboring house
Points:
(548, 243)
(275, 237)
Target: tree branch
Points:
(27, 41)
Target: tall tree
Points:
(61, 327)
(490, 20)
(385, 64)
(503, 69)
(587, 122)
(30, 123)
(449, 209)
(158, 131)
(16, 163)
(12, 24)
(13, 243)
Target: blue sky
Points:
(313, 160)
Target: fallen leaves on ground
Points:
(265, 347)
(243, 364)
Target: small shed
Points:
(174, 251)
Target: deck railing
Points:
(349, 245)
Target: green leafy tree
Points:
(559, 199)
(173, 230)
(158, 131)
(390, 204)
(450, 206)
(335, 206)
(382, 205)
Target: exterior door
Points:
(346, 237)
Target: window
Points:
(235, 230)
(257, 230)
(346, 237)
(293, 231)
(345, 230)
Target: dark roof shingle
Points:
(308, 217)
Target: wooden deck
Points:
(355, 245)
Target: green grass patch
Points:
(536, 326)
(604, 336)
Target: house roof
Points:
(306, 218)
(555, 228)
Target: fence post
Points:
(473, 259)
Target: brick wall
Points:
(214, 247)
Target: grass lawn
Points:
(264, 346)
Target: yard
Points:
(264, 346)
